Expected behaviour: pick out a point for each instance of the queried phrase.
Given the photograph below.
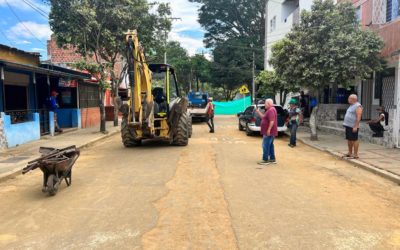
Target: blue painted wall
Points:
(51, 123)
(69, 118)
(17, 134)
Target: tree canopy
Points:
(328, 46)
(97, 27)
(232, 19)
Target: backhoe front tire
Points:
(128, 139)
(181, 137)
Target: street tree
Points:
(232, 19)
(231, 67)
(270, 84)
(189, 69)
(328, 47)
(96, 29)
(233, 27)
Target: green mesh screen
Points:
(232, 107)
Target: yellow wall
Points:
(19, 57)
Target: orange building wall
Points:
(90, 117)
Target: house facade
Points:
(25, 86)
(90, 113)
(383, 88)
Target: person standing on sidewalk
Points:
(351, 123)
(269, 130)
(53, 106)
(210, 115)
(294, 121)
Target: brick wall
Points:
(68, 55)
(63, 55)
(90, 117)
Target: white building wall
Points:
(281, 16)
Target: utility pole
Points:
(253, 84)
(166, 38)
(253, 75)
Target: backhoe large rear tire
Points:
(181, 137)
(190, 124)
(128, 139)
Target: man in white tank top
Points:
(351, 123)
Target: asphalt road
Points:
(208, 195)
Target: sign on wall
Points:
(65, 83)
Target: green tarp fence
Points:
(232, 107)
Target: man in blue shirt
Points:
(53, 106)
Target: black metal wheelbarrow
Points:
(56, 165)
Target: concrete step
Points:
(366, 137)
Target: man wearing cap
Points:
(294, 121)
(378, 125)
(53, 106)
(210, 115)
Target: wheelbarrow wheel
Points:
(52, 188)
(68, 178)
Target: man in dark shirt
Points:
(269, 130)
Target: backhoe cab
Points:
(154, 109)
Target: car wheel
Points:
(240, 127)
(248, 131)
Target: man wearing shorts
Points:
(351, 123)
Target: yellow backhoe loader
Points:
(154, 108)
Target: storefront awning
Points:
(55, 71)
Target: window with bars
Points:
(88, 95)
(392, 10)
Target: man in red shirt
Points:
(269, 130)
(210, 115)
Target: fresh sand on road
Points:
(194, 214)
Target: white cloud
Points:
(192, 45)
(21, 5)
(29, 30)
(37, 50)
(188, 14)
(22, 42)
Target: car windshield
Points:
(197, 96)
(279, 109)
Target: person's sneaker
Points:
(272, 161)
(263, 162)
(291, 145)
(212, 131)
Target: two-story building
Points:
(383, 88)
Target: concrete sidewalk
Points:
(375, 158)
(14, 159)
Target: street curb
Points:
(18, 171)
(375, 170)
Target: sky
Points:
(23, 27)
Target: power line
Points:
(37, 9)
(5, 36)
(22, 23)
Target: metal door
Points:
(366, 98)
